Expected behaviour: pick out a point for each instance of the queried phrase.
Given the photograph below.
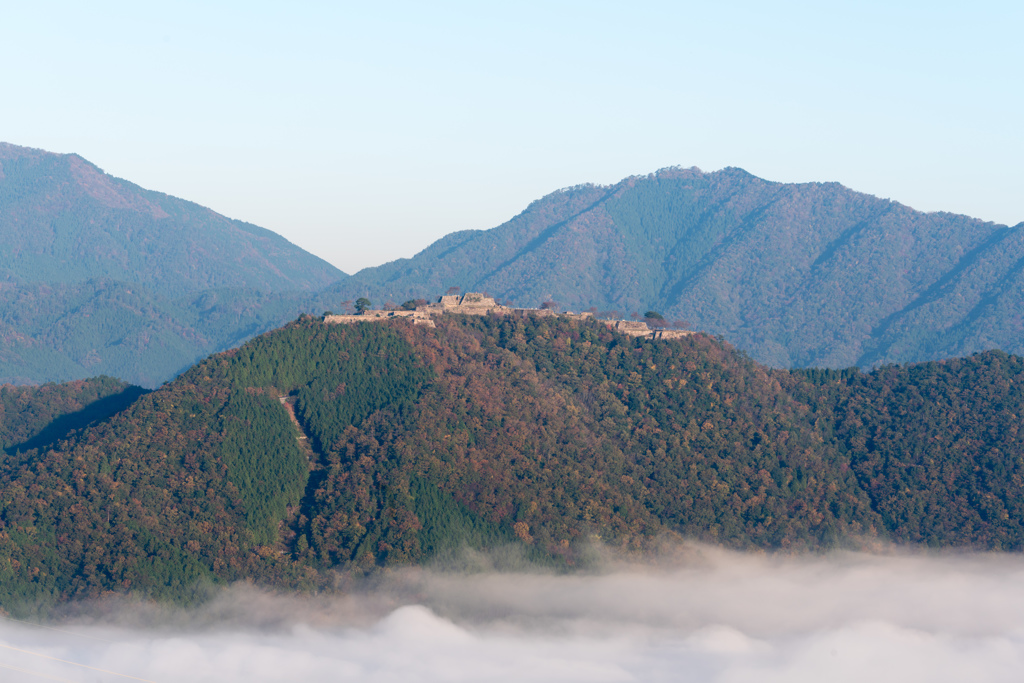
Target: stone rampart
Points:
(370, 316)
(474, 303)
(671, 334)
(471, 303)
(638, 328)
(633, 328)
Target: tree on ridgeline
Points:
(655, 319)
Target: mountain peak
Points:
(797, 274)
(103, 276)
(62, 219)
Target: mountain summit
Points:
(63, 220)
(810, 274)
(99, 276)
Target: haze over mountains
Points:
(64, 220)
(798, 275)
(317, 448)
(99, 276)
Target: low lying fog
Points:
(709, 615)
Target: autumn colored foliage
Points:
(317, 448)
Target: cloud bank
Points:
(712, 616)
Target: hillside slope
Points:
(99, 276)
(317, 448)
(59, 332)
(37, 417)
(63, 220)
(798, 275)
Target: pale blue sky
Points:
(364, 133)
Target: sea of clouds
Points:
(706, 615)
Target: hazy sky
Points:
(363, 132)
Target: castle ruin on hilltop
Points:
(475, 303)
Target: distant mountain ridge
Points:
(798, 275)
(100, 276)
(63, 220)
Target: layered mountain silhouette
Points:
(99, 276)
(797, 275)
(63, 220)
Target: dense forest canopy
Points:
(320, 448)
(33, 417)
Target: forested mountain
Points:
(319, 448)
(63, 220)
(798, 275)
(36, 417)
(99, 276)
(56, 332)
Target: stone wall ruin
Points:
(475, 303)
